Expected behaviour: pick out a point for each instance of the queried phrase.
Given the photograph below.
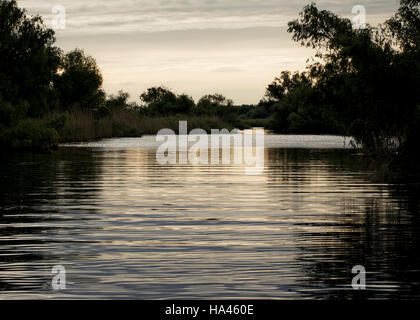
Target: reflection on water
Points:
(126, 227)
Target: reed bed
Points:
(82, 125)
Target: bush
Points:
(58, 121)
(10, 113)
(29, 134)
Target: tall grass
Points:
(82, 125)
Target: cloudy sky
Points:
(233, 47)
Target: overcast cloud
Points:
(234, 47)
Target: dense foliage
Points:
(163, 102)
(363, 83)
(28, 61)
(79, 82)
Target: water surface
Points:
(124, 226)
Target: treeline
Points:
(362, 83)
(47, 96)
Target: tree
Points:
(356, 73)
(405, 30)
(156, 95)
(28, 61)
(283, 85)
(162, 101)
(405, 25)
(363, 82)
(79, 81)
(184, 104)
(115, 103)
(296, 105)
(213, 104)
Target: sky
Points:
(198, 47)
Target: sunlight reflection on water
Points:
(126, 227)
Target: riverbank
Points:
(43, 134)
(79, 125)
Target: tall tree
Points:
(28, 60)
(357, 71)
(79, 81)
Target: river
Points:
(124, 226)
